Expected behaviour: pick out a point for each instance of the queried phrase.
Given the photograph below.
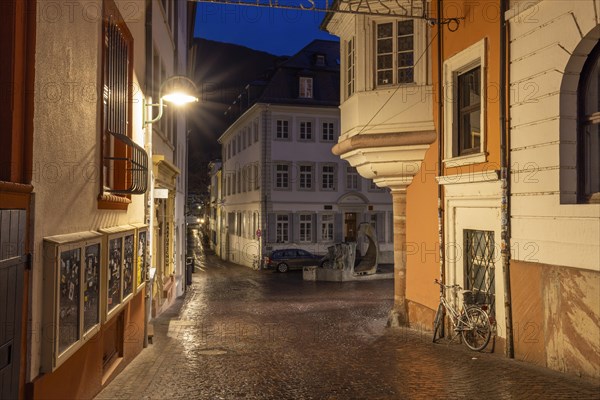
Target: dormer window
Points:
(320, 60)
(306, 87)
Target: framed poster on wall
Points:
(141, 260)
(72, 284)
(120, 250)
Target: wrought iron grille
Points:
(480, 267)
(125, 163)
(136, 166)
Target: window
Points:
(395, 53)
(306, 177)
(352, 179)
(306, 87)
(374, 188)
(327, 134)
(464, 106)
(243, 180)
(282, 129)
(588, 141)
(125, 164)
(305, 227)
(282, 176)
(469, 112)
(350, 67)
(239, 143)
(479, 266)
(320, 60)
(327, 227)
(255, 131)
(328, 177)
(234, 145)
(282, 229)
(256, 181)
(305, 130)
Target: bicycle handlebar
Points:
(455, 286)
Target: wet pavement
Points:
(244, 334)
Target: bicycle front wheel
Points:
(477, 330)
(437, 323)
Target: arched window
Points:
(588, 143)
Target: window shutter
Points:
(319, 232)
(271, 228)
(295, 228)
(338, 228)
(314, 228)
(381, 227)
(391, 227)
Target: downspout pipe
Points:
(505, 181)
(440, 99)
(148, 205)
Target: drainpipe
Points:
(149, 196)
(505, 181)
(439, 140)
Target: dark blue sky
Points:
(276, 31)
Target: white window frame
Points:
(306, 87)
(327, 131)
(305, 233)
(350, 66)
(304, 175)
(305, 131)
(352, 174)
(395, 52)
(327, 227)
(472, 57)
(282, 129)
(282, 228)
(282, 174)
(328, 173)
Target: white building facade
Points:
(555, 152)
(282, 186)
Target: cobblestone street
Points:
(243, 334)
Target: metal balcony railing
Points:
(130, 172)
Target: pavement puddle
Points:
(212, 352)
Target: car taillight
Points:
(267, 260)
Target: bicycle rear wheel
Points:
(477, 330)
(438, 321)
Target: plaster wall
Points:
(556, 314)
(544, 131)
(66, 145)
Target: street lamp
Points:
(178, 90)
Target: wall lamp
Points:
(177, 90)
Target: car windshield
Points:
(303, 253)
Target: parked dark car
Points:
(286, 259)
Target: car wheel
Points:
(283, 267)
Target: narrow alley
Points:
(243, 334)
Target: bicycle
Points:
(472, 322)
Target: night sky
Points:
(276, 31)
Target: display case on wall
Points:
(120, 276)
(141, 264)
(72, 289)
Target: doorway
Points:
(350, 227)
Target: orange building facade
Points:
(481, 118)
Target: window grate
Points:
(480, 267)
(136, 172)
(125, 163)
